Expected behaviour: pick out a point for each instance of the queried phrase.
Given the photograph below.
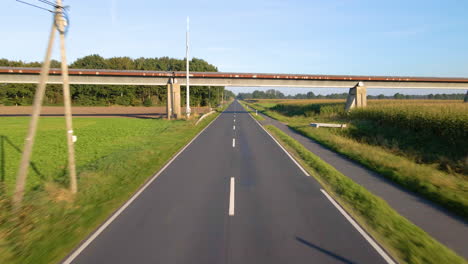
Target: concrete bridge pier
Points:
(357, 97)
(173, 100)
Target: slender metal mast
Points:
(187, 68)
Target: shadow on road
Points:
(324, 251)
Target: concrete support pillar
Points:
(466, 97)
(173, 100)
(357, 97)
(176, 109)
(169, 101)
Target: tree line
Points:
(275, 94)
(105, 95)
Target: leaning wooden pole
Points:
(67, 102)
(29, 141)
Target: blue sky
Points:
(417, 38)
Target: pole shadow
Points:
(4, 141)
(324, 251)
(2, 159)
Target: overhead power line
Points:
(40, 7)
(59, 9)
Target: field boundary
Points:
(95, 111)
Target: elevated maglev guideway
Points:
(118, 77)
(357, 95)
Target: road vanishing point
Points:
(232, 195)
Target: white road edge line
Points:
(369, 239)
(94, 235)
(233, 142)
(285, 151)
(231, 197)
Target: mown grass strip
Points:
(405, 241)
(437, 186)
(53, 221)
(253, 113)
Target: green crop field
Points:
(420, 144)
(114, 156)
(97, 138)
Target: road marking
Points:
(231, 197)
(371, 241)
(234, 128)
(374, 244)
(94, 235)
(234, 120)
(233, 142)
(285, 151)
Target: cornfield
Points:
(428, 131)
(446, 120)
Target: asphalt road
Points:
(232, 196)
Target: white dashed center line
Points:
(231, 197)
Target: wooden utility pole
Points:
(60, 22)
(29, 142)
(67, 101)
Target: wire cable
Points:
(48, 2)
(40, 7)
(60, 13)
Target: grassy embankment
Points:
(405, 241)
(408, 142)
(114, 157)
(252, 112)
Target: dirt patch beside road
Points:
(97, 111)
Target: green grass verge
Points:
(442, 188)
(265, 110)
(254, 115)
(406, 242)
(448, 190)
(115, 156)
